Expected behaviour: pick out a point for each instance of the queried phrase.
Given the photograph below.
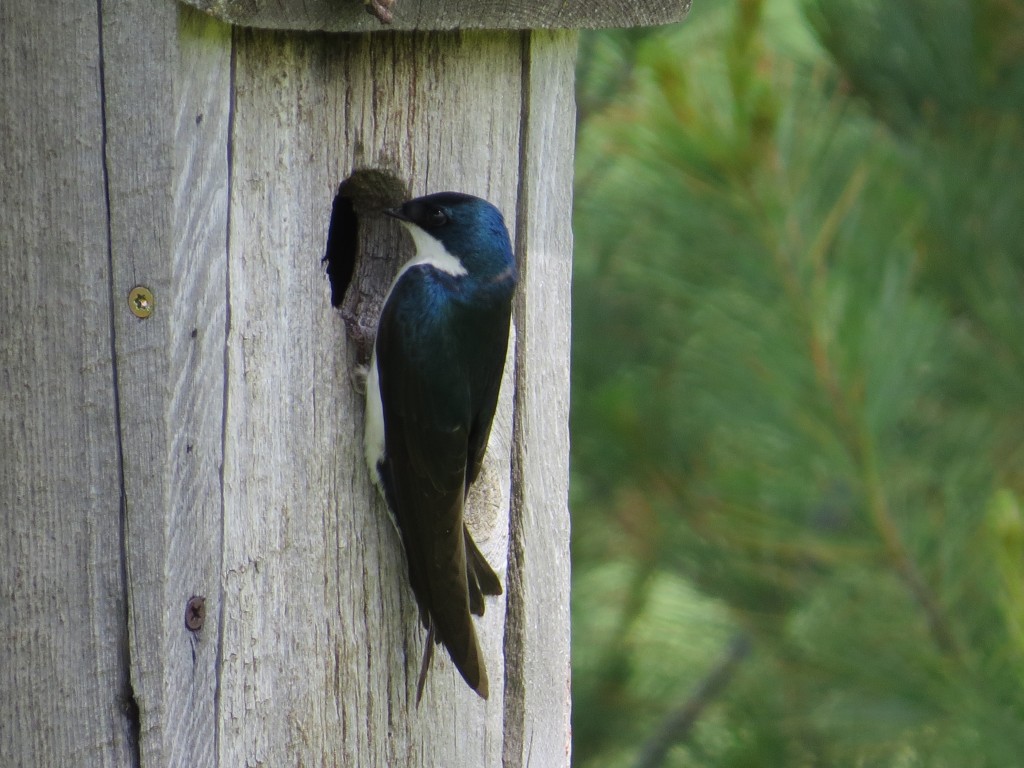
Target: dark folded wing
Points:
(426, 431)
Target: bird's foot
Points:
(359, 374)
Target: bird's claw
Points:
(359, 374)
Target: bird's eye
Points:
(437, 218)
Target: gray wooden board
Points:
(439, 112)
(167, 87)
(351, 16)
(63, 676)
(537, 635)
(234, 422)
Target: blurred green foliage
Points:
(798, 398)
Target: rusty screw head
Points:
(140, 301)
(195, 613)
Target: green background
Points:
(798, 387)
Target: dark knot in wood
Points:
(195, 613)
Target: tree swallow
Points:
(431, 391)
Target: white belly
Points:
(373, 433)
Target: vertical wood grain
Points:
(537, 634)
(63, 673)
(167, 88)
(198, 379)
(215, 448)
(311, 560)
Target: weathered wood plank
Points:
(313, 567)
(167, 88)
(351, 16)
(236, 440)
(139, 190)
(63, 671)
(537, 633)
(196, 407)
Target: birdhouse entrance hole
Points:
(364, 250)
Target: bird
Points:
(431, 392)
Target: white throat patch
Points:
(430, 251)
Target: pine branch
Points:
(612, 672)
(902, 562)
(677, 727)
(855, 433)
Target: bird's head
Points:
(468, 230)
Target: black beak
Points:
(396, 213)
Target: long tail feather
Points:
(479, 569)
(428, 655)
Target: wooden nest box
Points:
(196, 569)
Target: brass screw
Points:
(140, 301)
